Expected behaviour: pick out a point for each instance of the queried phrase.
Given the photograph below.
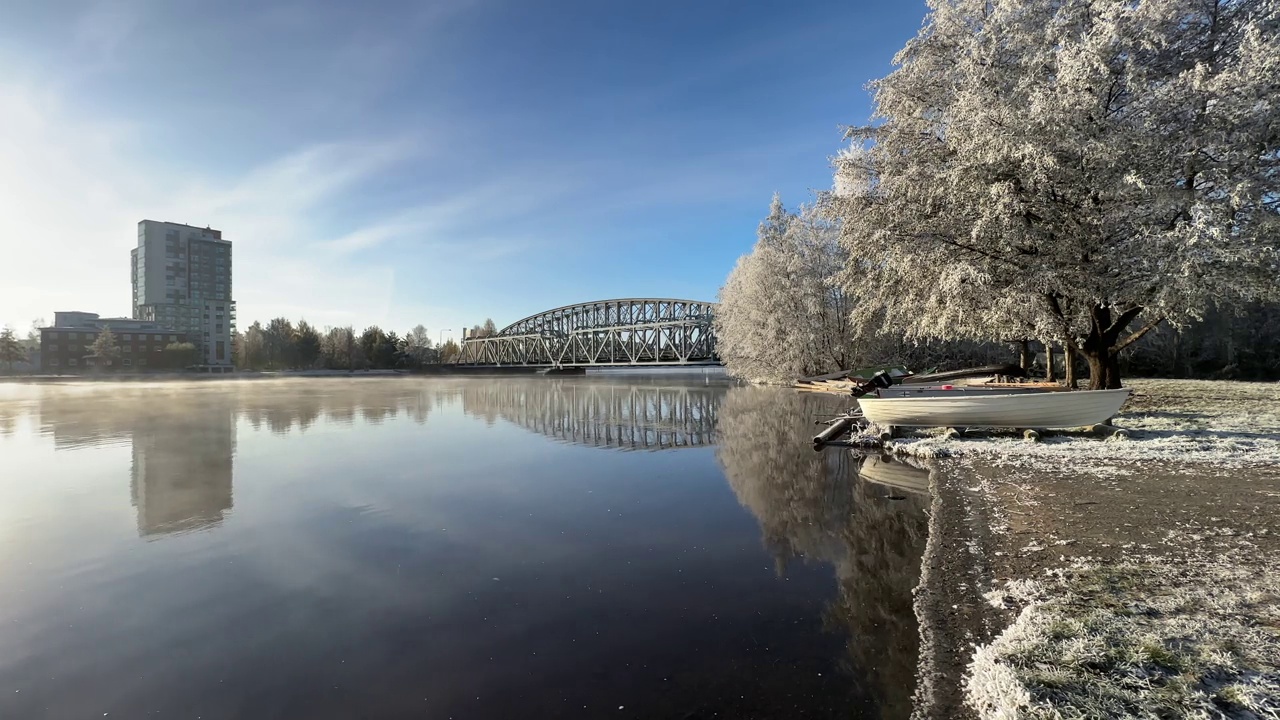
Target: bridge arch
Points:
(623, 331)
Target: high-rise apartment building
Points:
(182, 280)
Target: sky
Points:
(397, 163)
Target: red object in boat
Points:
(948, 387)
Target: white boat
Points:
(969, 407)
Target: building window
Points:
(142, 361)
(219, 351)
(126, 337)
(158, 349)
(72, 361)
(126, 362)
(173, 338)
(127, 348)
(53, 362)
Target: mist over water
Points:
(634, 547)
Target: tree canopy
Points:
(283, 345)
(104, 347)
(781, 313)
(10, 348)
(1076, 170)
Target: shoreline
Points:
(429, 371)
(249, 375)
(1098, 578)
(948, 603)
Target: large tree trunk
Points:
(1024, 354)
(1102, 345)
(1069, 363)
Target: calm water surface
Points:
(479, 548)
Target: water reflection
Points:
(182, 467)
(815, 507)
(602, 413)
(182, 437)
(404, 573)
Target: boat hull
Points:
(991, 409)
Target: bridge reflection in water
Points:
(602, 413)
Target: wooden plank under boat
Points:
(968, 407)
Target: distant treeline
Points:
(1223, 345)
(284, 345)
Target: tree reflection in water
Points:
(815, 507)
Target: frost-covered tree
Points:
(1082, 170)
(418, 347)
(783, 314)
(104, 349)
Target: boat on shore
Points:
(970, 407)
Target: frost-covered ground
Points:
(1141, 575)
(1148, 639)
(1226, 425)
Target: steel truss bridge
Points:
(605, 415)
(631, 331)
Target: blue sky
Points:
(404, 162)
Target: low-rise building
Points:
(65, 346)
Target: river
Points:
(579, 547)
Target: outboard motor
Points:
(878, 381)
(842, 425)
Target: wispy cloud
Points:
(463, 220)
(385, 165)
(72, 191)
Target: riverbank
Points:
(1081, 577)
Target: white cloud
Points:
(73, 187)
